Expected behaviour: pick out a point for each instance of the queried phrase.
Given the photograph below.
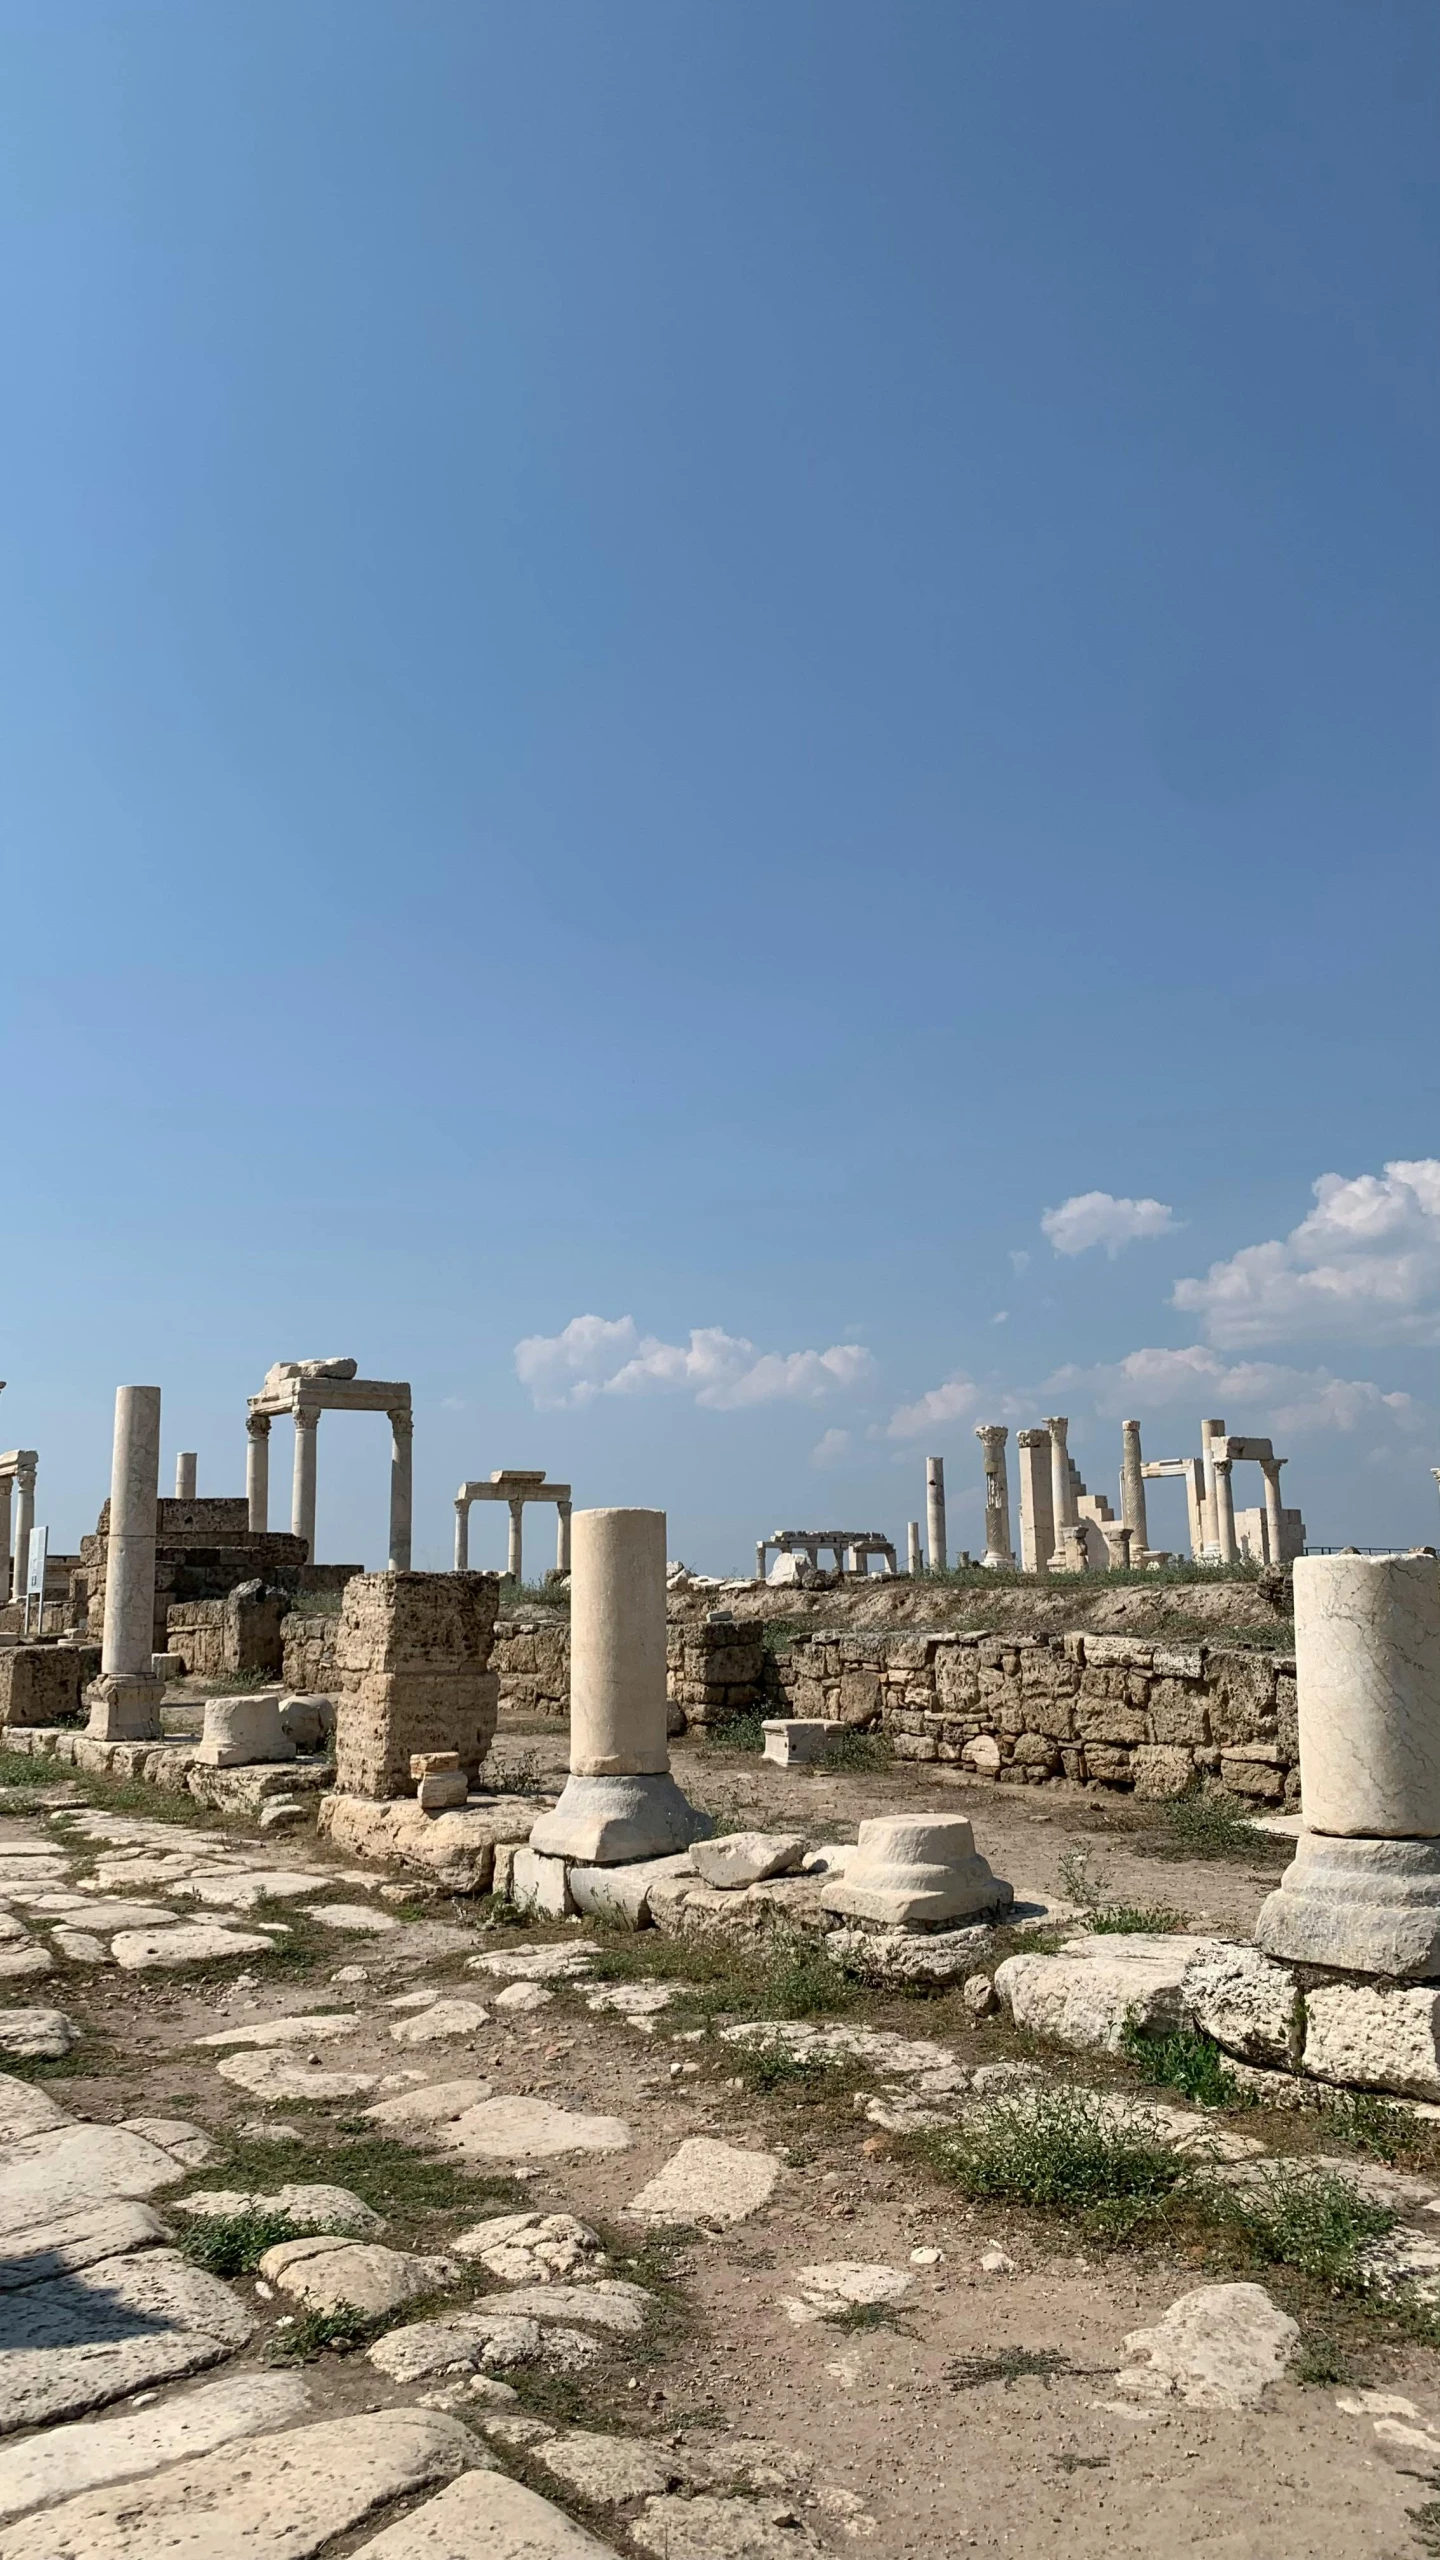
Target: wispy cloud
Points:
(599, 1355)
(830, 1448)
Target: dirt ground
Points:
(918, 2435)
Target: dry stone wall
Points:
(531, 1659)
(1110, 1709)
(43, 1684)
(716, 1669)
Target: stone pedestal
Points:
(620, 1801)
(916, 1872)
(124, 1709)
(440, 1782)
(794, 1742)
(1364, 1891)
(413, 1658)
(246, 1728)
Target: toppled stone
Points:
(37, 2035)
(291, 2495)
(427, 2110)
(17, 1963)
(707, 2182)
(325, 2274)
(523, 1996)
(621, 1895)
(531, 2248)
(495, 2341)
(143, 1950)
(842, 2285)
(457, 1847)
(100, 2332)
(1364, 2038)
(885, 1955)
(89, 2455)
(540, 1886)
(486, 2516)
(273, 2076)
(319, 2029)
(640, 2002)
(1088, 1994)
(1216, 2348)
(439, 2020)
(1249, 2004)
(315, 2207)
(747, 1857)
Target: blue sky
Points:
(679, 665)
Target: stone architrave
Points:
(305, 1389)
(1037, 1509)
(125, 1701)
(1132, 1490)
(1364, 1891)
(935, 1514)
(916, 1871)
(413, 1658)
(620, 1802)
(999, 1554)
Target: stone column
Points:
(5, 1585)
(185, 1475)
(1273, 1527)
(999, 1554)
(1132, 1489)
(24, 1523)
(620, 1802)
(515, 1551)
(1037, 1512)
(1224, 1510)
(914, 1563)
(125, 1701)
(302, 1490)
(935, 1541)
(402, 1441)
(1117, 1535)
(257, 1469)
(462, 1535)
(562, 1537)
(1364, 1891)
(1210, 1431)
(1062, 1493)
(761, 1545)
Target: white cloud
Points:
(1019, 1262)
(1250, 1393)
(600, 1355)
(830, 1448)
(1002, 1318)
(1097, 1217)
(956, 1401)
(1363, 1267)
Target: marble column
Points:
(462, 1537)
(257, 1469)
(24, 1523)
(1224, 1510)
(1062, 1494)
(185, 1462)
(761, 1546)
(302, 1488)
(1210, 1431)
(1037, 1512)
(125, 1700)
(999, 1554)
(562, 1537)
(620, 1802)
(402, 1442)
(1274, 1531)
(935, 1540)
(1364, 1891)
(5, 1561)
(515, 1550)
(1132, 1489)
(914, 1561)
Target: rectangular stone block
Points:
(1110, 1720)
(1162, 1769)
(412, 1674)
(1177, 1714)
(1106, 1761)
(41, 1684)
(540, 1886)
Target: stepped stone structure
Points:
(413, 1676)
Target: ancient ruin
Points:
(17, 1478)
(514, 1486)
(304, 1389)
(850, 1548)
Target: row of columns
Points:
(302, 1491)
(515, 1547)
(15, 1543)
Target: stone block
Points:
(860, 1696)
(1161, 1769)
(1250, 2005)
(1241, 1694)
(1177, 1714)
(1246, 1774)
(983, 1755)
(1110, 1720)
(738, 1858)
(540, 1886)
(43, 1684)
(1108, 1762)
(244, 1729)
(1034, 1751)
(1178, 1662)
(1363, 2038)
(1363, 1906)
(1088, 1994)
(413, 1655)
(1124, 1652)
(621, 1895)
(795, 1741)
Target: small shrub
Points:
(1213, 1826)
(1063, 2151)
(317, 2333)
(1309, 2219)
(233, 2244)
(736, 1733)
(1379, 2128)
(1321, 2361)
(1105, 1917)
(1182, 2060)
(850, 1750)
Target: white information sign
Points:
(35, 1576)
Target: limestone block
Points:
(540, 1886)
(860, 1698)
(43, 1684)
(1112, 1720)
(984, 1755)
(1254, 1771)
(309, 1720)
(242, 1729)
(1240, 1693)
(1161, 1769)
(486, 2516)
(915, 1872)
(1086, 1995)
(1248, 2004)
(1108, 1762)
(795, 1741)
(89, 2455)
(1177, 1713)
(104, 2331)
(748, 1857)
(707, 2182)
(324, 2273)
(413, 1655)
(1365, 1906)
(707, 2528)
(1219, 2347)
(621, 1895)
(457, 1848)
(1364, 2038)
(1172, 1662)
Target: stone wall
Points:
(217, 1638)
(1106, 1709)
(42, 1683)
(716, 1669)
(307, 1651)
(531, 1658)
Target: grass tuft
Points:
(1213, 1826)
(1012, 2364)
(1183, 2060)
(1309, 2219)
(1062, 2151)
(1108, 1918)
(337, 2331)
(233, 2244)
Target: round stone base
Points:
(608, 1822)
(1364, 1906)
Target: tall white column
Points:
(5, 1558)
(562, 1537)
(1062, 1497)
(402, 1435)
(999, 1553)
(462, 1535)
(1364, 1891)
(935, 1541)
(1037, 1509)
(257, 1469)
(1132, 1488)
(24, 1523)
(185, 1460)
(302, 1489)
(914, 1562)
(1210, 1431)
(515, 1549)
(125, 1701)
(620, 1802)
(1224, 1510)
(1274, 1531)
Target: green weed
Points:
(735, 1733)
(1213, 1826)
(1309, 2219)
(1012, 2364)
(1182, 2060)
(233, 2244)
(1062, 2151)
(337, 2331)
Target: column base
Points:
(914, 1872)
(1364, 1906)
(608, 1822)
(124, 1708)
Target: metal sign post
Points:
(35, 1577)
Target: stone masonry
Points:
(42, 1683)
(412, 1658)
(716, 1669)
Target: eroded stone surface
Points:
(37, 2035)
(606, 2304)
(320, 2029)
(1095, 1987)
(84, 2455)
(440, 2020)
(288, 2075)
(841, 2284)
(486, 2516)
(77, 2240)
(74, 2166)
(324, 2273)
(317, 2207)
(1216, 2348)
(748, 1857)
(538, 1964)
(531, 2248)
(188, 1942)
(97, 2334)
(715, 2529)
(531, 2129)
(707, 2181)
(1250, 2005)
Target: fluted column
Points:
(257, 1469)
(999, 1553)
(1224, 1510)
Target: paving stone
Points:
(328, 2024)
(318, 2208)
(496, 2340)
(896, 2057)
(37, 2035)
(101, 2332)
(323, 2273)
(530, 2129)
(101, 1915)
(286, 2497)
(82, 2456)
(532, 2248)
(606, 2470)
(636, 2000)
(1087, 1995)
(440, 2019)
(1216, 2348)
(608, 2304)
(70, 2167)
(486, 2516)
(842, 2284)
(77, 2240)
(707, 2181)
(253, 1884)
(356, 1918)
(184, 2142)
(428, 2110)
(24, 2108)
(194, 1942)
(287, 2075)
(556, 1962)
(523, 1996)
(715, 2529)
(18, 1963)
(78, 1947)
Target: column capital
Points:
(994, 1434)
(306, 1417)
(1037, 1437)
(258, 1425)
(402, 1422)
(1057, 1424)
